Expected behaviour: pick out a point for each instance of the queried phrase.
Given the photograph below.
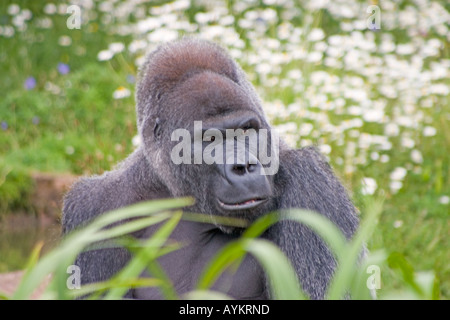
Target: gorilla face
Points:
(230, 177)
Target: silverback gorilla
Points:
(194, 80)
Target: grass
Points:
(72, 122)
(351, 277)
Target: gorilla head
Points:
(192, 80)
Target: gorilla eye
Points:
(247, 127)
(250, 124)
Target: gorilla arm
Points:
(305, 180)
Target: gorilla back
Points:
(182, 83)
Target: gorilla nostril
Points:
(251, 167)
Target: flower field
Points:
(376, 102)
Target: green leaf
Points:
(231, 253)
(328, 231)
(57, 260)
(282, 277)
(101, 287)
(348, 259)
(143, 257)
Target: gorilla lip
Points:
(247, 204)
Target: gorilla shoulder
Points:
(318, 189)
(123, 186)
(88, 198)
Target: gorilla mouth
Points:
(247, 204)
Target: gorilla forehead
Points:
(205, 95)
(165, 67)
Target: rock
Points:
(48, 194)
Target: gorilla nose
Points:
(247, 186)
(241, 168)
(247, 179)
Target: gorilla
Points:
(181, 83)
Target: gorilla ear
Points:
(151, 130)
(157, 128)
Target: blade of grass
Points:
(167, 289)
(33, 276)
(234, 252)
(4, 296)
(349, 258)
(205, 295)
(283, 280)
(359, 285)
(34, 256)
(101, 287)
(207, 218)
(64, 255)
(137, 210)
(262, 224)
(142, 258)
(231, 253)
(326, 229)
(31, 263)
